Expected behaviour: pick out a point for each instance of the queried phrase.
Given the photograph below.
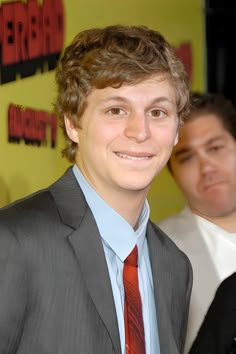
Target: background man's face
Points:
(204, 166)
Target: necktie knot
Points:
(132, 258)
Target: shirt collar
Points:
(115, 231)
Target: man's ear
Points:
(176, 138)
(71, 130)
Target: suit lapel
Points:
(86, 242)
(162, 289)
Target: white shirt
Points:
(221, 247)
(212, 253)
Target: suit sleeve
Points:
(13, 291)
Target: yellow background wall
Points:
(23, 168)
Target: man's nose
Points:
(137, 127)
(206, 163)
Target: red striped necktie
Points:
(134, 329)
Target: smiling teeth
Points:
(124, 156)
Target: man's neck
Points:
(226, 222)
(128, 205)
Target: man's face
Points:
(127, 135)
(204, 166)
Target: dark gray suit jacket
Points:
(55, 291)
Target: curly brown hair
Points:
(109, 57)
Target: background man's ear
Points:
(176, 138)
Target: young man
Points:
(121, 95)
(203, 164)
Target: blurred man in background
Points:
(203, 164)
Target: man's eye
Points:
(216, 148)
(185, 158)
(156, 113)
(115, 111)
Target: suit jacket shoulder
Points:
(183, 229)
(179, 225)
(55, 203)
(217, 333)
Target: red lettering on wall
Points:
(41, 122)
(53, 129)
(30, 36)
(31, 126)
(184, 52)
(20, 31)
(59, 25)
(35, 39)
(14, 126)
(53, 26)
(1, 35)
(8, 34)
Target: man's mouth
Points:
(212, 185)
(136, 157)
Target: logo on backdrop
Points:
(184, 53)
(31, 38)
(31, 126)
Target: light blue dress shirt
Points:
(119, 238)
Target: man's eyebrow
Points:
(215, 139)
(182, 151)
(124, 99)
(187, 149)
